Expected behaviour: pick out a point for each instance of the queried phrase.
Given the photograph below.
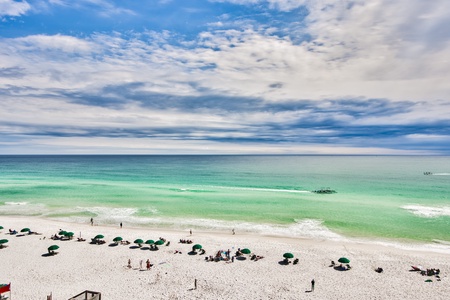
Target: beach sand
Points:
(80, 266)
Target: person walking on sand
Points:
(233, 231)
(129, 263)
(148, 264)
(195, 284)
(313, 282)
(190, 231)
(92, 221)
(120, 224)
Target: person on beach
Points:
(129, 263)
(312, 285)
(195, 284)
(148, 264)
(190, 231)
(92, 221)
(120, 224)
(233, 231)
(140, 264)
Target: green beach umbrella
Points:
(25, 230)
(52, 248)
(149, 242)
(99, 236)
(288, 255)
(117, 239)
(344, 260)
(159, 242)
(196, 247)
(62, 232)
(246, 251)
(1, 227)
(69, 234)
(4, 241)
(139, 242)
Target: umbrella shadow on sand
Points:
(340, 268)
(48, 254)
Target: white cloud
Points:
(105, 8)
(13, 8)
(58, 42)
(398, 50)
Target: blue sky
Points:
(225, 77)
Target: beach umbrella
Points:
(344, 260)
(4, 241)
(52, 248)
(117, 239)
(62, 232)
(246, 251)
(288, 255)
(25, 230)
(69, 234)
(149, 242)
(99, 236)
(196, 247)
(1, 227)
(139, 242)
(159, 242)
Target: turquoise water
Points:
(381, 197)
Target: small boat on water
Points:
(427, 173)
(324, 191)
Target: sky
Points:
(225, 77)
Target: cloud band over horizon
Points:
(225, 77)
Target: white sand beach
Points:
(80, 266)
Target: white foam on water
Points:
(441, 174)
(106, 215)
(23, 208)
(313, 228)
(303, 228)
(16, 203)
(428, 211)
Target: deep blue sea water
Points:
(387, 198)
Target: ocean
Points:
(387, 199)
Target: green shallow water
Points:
(383, 197)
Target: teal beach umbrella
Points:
(52, 249)
(246, 251)
(159, 242)
(197, 247)
(2, 242)
(344, 260)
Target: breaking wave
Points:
(428, 211)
